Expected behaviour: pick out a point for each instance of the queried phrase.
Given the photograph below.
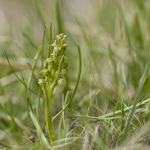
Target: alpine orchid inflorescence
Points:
(53, 74)
(57, 63)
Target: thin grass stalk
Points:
(136, 99)
(40, 15)
(43, 47)
(76, 86)
(30, 78)
(38, 103)
(112, 114)
(59, 18)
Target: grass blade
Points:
(136, 99)
(59, 18)
(41, 16)
(79, 74)
(40, 134)
(30, 77)
(5, 144)
(76, 86)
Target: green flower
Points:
(42, 82)
(45, 73)
(49, 61)
(63, 72)
(62, 81)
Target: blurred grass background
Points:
(114, 39)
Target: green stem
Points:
(48, 116)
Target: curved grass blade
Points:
(30, 40)
(76, 86)
(40, 134)
(136, 99)
(79, 75)
(13, 70)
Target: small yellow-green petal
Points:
(49, 61)
(45, 72)
(41, 81)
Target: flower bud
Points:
(61, 35)
(45, 72)
(41, 82)
(62, 81)
(64, 37)
(54, 44)
(49, 61)
(58, 37)
(63, 72)
(64, 45)
(55, 50)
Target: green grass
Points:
(105, 103)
